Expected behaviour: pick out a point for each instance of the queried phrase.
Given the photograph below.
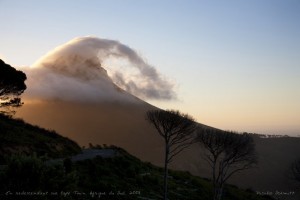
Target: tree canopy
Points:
(227, 153)
(177, 130)
(12, 85)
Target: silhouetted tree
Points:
(11, 87)
(177, 131)
(226, 153)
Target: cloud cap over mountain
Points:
(76, 68)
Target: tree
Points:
(226, 153)
(12, 85)
(177, 131)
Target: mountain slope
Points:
(121, 124)
(271, 175)
(122, 176)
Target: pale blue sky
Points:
(237, 63)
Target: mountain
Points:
(71, 92)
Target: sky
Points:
(235, 63)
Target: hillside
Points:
(30, 170)
(18, 137)
(121, 176)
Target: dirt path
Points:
(92, 153)
(87, 154)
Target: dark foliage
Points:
(176, 129)
(12, 85)
(124, 176)
(29, 174)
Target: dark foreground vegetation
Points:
(26, 173)
(119, 177)
(12, 85)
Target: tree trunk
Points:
(216, 193)
(218, 190)
(215, 182)
(166, 173)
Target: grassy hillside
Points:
(26, 173)
(119, 177)
(18, 137)
(142, 180)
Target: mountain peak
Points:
(73, 72)
(82, 59)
